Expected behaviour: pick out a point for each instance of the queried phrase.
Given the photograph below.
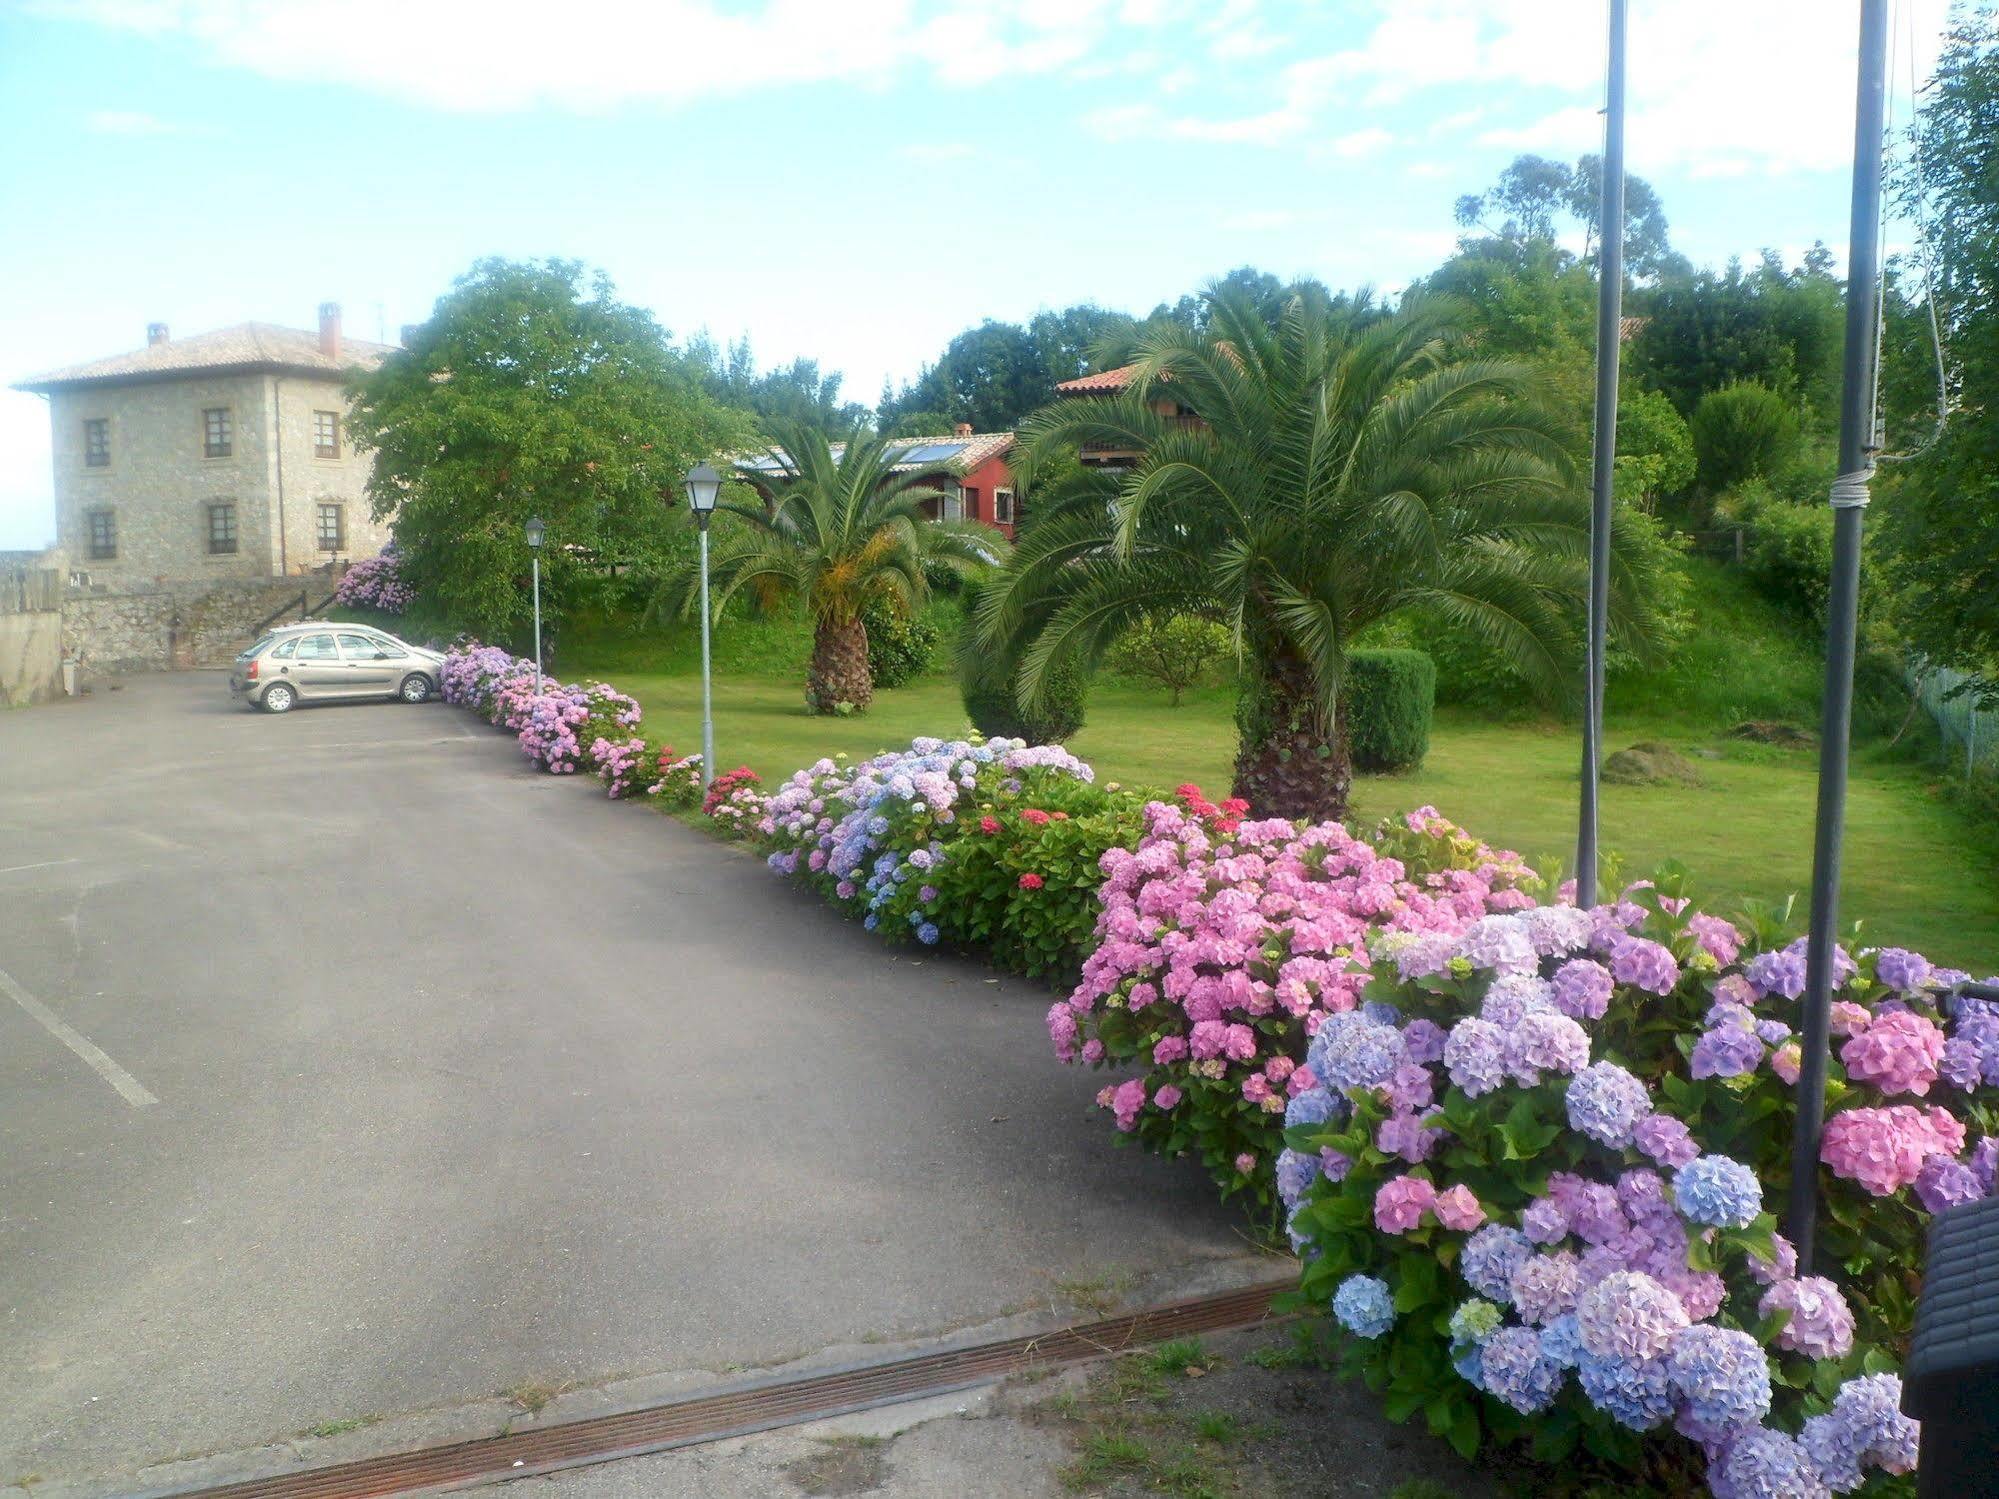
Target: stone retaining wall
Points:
(173, 626)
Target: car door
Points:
(371, 670)
(317, 669)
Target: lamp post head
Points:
(704, 487)
(536, 530)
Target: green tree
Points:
(1655, 450)
(1938, 516)
(1533, 198)
(530, 391)
(1782, 328)
(1177, 651)
(1345, 469)
(1743, 431)
(799, 391)
(841, 532)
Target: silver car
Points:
(320, 662)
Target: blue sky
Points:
(854, 180)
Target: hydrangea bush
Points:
(991, 843)
(1224, 945)
(735, 802)
(1545, 1142)
(559, 727)
(375, 583)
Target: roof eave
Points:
(48, 384)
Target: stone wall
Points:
(173, 626)
(30, 656)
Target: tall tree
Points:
(1939, 512)
(1535, 197)
(842, 531)
(531, 390)
(1346, 468)
(1779, 327)
(799, 391)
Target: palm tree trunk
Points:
(838, 673)
(1287, 764)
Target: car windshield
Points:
(263, 641)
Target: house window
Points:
(103, 534)
(97, 442)
(217, 433)
(326, 434)
(954, 504)
(971, 506)
(222, 529)
(332, 528)
(1003, 506)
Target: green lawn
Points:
(1912, 866)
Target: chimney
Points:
(329, 329)
(156, 333)
(963, 429)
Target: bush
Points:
(994, 844)
(1223, 945)
(900, 646)
(560, 727)
(1787, 551)
(1530, 1180)
(1743, 431)
(678, 787)
(375, 583)
(1389, 698)
(734, 803)
(1176, 652)
(995, 712)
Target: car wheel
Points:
(415, 688)
(278, 698)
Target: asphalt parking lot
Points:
(350, 1067)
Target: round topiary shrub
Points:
(990, 703)
(900, 646)
(1389, 698)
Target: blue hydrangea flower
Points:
(1865, 1428)
(871, 921)
(1490, 1257)
(1561, 1341)
(1361, 1053)
(1313, 1106)
(1295, 1172)
(1718, 1192)
(1363, 1306)
(1638, 1395)
(1516, 1372)
(927, 934)
(1606, 1102)
(1766, 1464)
(1723, 1375)
(1469, 1361)
(1475, 1056)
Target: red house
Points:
(967, 469)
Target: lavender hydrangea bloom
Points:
(1962, 1064)
(1783, 1266)
(1474, 1055)
(1512, 995)
(1363, 1306)
(1901, 969)
(1819, 1323)
(1544, 1222)
(1665, 1140)
(1985, 1163)
(1773, 1032)
(1556, 930)
(1644, 964)
(1500, 943)
(1723, 1375)
(1490, 1257)
(1424, 956)
(1628, 1317)
(1726, 1051)
(1606, 1103)
(1515, 1371)
(1358, 1054)
(1718, 1192)
(1295, 1172)
(1313, 1106)
(1582, 989)
(1545, 1041)
(1547, 1286)
(1561, 1341)
(1944, 1184)
(1777, 973)
(1425, 1040)
(1634, 1394)
(1865, 1428)
(1766, 1464)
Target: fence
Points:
(30, 590)
(1970, 733)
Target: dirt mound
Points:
(1770, 731)
(1650, 764)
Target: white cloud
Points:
(510, 54)
(1354, 144)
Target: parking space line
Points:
(129, 1087)
(45, 864)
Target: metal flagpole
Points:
(1849, 500)
(1609, 320)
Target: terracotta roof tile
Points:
(246, 346)
(1103, 380)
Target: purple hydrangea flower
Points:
(1425, 1040)
(1474, 1055)
(1726, 1051)
(1606, 1103)
(1944, 1184)
(1544, 1222)
(1637, 1394)
(1865, 1428)
(1901, 969)
(1962, 1064)
(1718, 1192)
(1985, 1163)
(1820, 1323)
(1644, 964)
(1766, 1464)
(1782, 1267)
(1515, 1371)
(1500, 943)
(1545, 1041)
(1490, 1257)
(1665, 1140)
(1723, 1375)
(1361, 1053)
(1628, 1318)
(1777, 973)
(1547, 1286)
(1295, 1172)
(1582, 989)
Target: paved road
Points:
(467, 1077)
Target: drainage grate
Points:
(736, 1410)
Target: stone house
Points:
(219, 457)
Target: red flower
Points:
(1061, 816)
(988, 824)
(1030, 881)
(1034, 815)
(1235, 806)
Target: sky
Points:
(853, 180)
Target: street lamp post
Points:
(535, 533)
(704, 486)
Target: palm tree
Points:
(841, 529)
(1341, 466)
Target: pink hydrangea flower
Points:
(1458, 1209)
(1401, 1203)
(1884, 1149)
(1898, 1053)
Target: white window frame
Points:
(1003, 507)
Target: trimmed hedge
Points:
(990, 703)
(1389, 698)
(899, 645)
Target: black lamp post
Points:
(704, 487)
(536, 531)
